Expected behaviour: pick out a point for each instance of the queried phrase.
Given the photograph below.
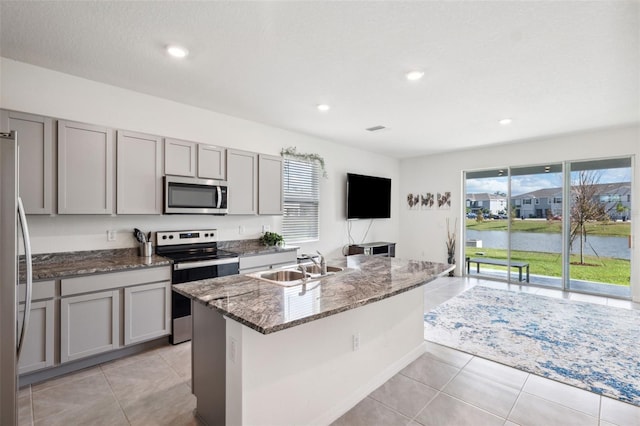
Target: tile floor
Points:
(442, 387)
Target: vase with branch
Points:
(451, 245)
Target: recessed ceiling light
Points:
(177, 51)
(323, 107)
(414, 75)
(505, 121)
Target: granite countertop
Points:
(267, 307)
(68, 264)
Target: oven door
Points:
(194, 196)
(181, 327)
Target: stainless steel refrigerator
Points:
(12, 225)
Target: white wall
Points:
(32, 89)
(423, 233)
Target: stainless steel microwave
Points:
(186, 195)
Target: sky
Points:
(529, 183)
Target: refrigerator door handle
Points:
(27, 255)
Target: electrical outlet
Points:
(111, 235)
(240, 229)
(266, 228)
(356, 342)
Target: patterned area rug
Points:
(589, 346)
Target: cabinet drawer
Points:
(41, 290)
(267, 260)
(108, 281)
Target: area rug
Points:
(589, 346)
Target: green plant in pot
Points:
(272, 239)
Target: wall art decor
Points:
(413, 201)
(444, 200)
(427, 200)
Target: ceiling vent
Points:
(375, 128)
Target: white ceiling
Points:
(553, 67)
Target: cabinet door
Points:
(139, 173)
(179, 157)
(85, 169)
(212, 162)
(35, 139)
(147, 312)
(89, 324)
(37, 351)
(270, 185)
(242, 177)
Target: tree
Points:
(586, 206)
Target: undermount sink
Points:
(284, 276)
(292, 277)
(315, 269)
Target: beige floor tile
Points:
(445, 410)
(510, 423)
(566, 395)
(619, 413)
(497, 372)
(550, 292)
(24, 391)
(107, 413)
(25, 410)
(603, 423)
(431, 372)
(447, 355)
(141, 377)
(531, 410)
(66, 379)
(589, 298)
(404, 395)
(619, 303)
(81, 395)
(370, 412)
(179, 358)
(483, 393)
(172, 406)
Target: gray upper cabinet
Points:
(35, 139)
(270, 184)
(85, 169)
(139, 173)
(180, 157)
(242, 176)
(212, 162)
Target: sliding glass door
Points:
(563, 225)
(600, 229)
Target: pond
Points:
(616, 247)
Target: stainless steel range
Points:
(195, 256)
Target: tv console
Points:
(374, 249)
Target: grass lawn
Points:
(610, 229)
(602, 270)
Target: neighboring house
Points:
(484, 201)
(548, 202)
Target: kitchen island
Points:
(263, 353)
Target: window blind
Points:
(301, 187)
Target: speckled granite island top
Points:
(68, 264)
(267, 307)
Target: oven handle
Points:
(203, 263)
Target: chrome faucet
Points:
(303, 269)
(322, 264)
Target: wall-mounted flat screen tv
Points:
(368, 197)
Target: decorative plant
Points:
(271, 239)
(292, 152)
(451, 245)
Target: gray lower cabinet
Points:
(139, 173)
(38, 351)
(270, 196)
(242, 176)
(89, 324)
(35, 136)
(261, 262)
(102, 312)
(147, 312)
(85, 169)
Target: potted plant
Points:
(451, 246)
(272, 239)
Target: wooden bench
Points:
(498, 262)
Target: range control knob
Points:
(171, 237)
(164, 237)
